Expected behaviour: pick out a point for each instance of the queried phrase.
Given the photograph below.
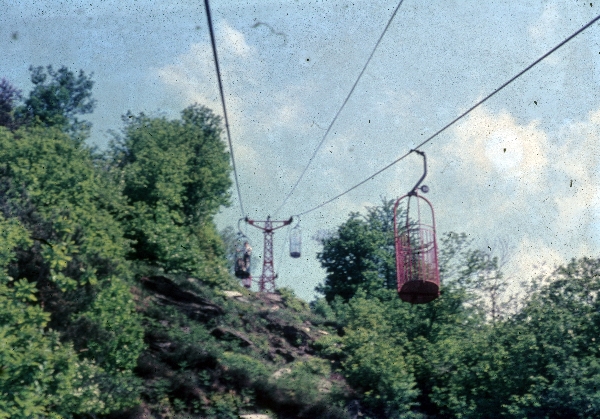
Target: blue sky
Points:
(285, 79)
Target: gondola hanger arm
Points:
(423, 188)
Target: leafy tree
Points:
(52, 185)
(553, 370)
(386, 336)
(57, 99)
(74, 254)
(39, 376)
(176, 176)
(9, 96)
(375, 363)
(360, 254)
(540, 363)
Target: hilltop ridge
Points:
(214, 353)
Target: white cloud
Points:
(495, 146)
(544, 27)
(235, 41)
(193, 76)
(533, 259)
(577, 171)
(542, 191)
(543, 31)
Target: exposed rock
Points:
(308, 350)
(258, 322)
(324, 386)
(272, 297)
(277, 342)
(150, 367)
(353, 409)
(295, 335)
(141, 412)
(226, 334)
(281, 372)
(167, 292)
(161, 346)
(232, 294)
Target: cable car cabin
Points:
(243, 253)
(418, 276)
(295, 241)
(417, 270)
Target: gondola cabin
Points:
(295, 241)
(243, 260)
(417, 270)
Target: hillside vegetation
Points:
(117, 301)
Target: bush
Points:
(291, 301)
(243, 370)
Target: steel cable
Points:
(340, 110)
(583, 28)
(214, 49)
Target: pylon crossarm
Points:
(273, 226)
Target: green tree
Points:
(375, 361)
(52, 185)
(554, 370)
(9, 96)
(542, 362)
(39, 375)
(57, 98)
(387, 337)
(75, 252)
(176, 176)
(360, 254)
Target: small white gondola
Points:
(296, 241)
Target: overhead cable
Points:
(583, 28)
(214, 49)
(340, 110)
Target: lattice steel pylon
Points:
(266, 283)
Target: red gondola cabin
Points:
(417, 270)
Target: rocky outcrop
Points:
(167, 292)
(218, 346)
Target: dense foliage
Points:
(465, 355)
(69, 258)
(9, 95)
(116, 299)
(71, 333)
(175, 176)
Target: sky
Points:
(523, 169)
